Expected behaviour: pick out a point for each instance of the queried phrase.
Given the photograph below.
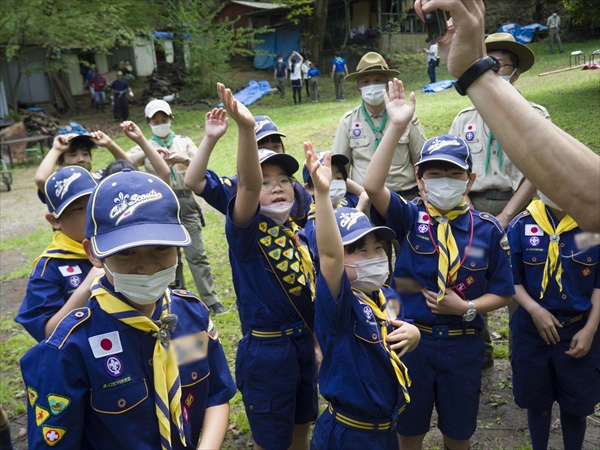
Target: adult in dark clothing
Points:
(119, 89)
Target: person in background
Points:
(339, 70)
(280, 74)
(432, 61)
(313, 82)
(555, 328)
(295, 62)
(99, 85)
(305, 76)
(553, 23)
(5, 439)
(118, 92)
(87, 83)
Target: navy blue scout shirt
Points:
(90, 384)
(485, 269)
(262, 302)
(356, 374)
(529, 251)
(50, 285)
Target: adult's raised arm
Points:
(558, 164)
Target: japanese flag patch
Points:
(106, 344)
(67, 271)
(533, 230)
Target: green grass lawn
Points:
(571, 97)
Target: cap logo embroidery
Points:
(438, 144)
(126, 205)
(261, 124)
(62, 187)
(349, 219)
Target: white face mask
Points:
(546, 201)
(373, 94)
(370, 274)
(143, 289)
(445, 193)
(279, 212)
(162, 130)
(337, 191)
(508, 77)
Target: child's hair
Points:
(355, 246)
(274, 139)
(435, 164)
(77, 144)
(118, 165)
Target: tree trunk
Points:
(320, 20)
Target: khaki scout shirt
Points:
(181, 144)
(469, 125)
(355, 139)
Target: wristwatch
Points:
(471, 312)
(475, 71)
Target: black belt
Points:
(410, 191)
(565, 321)
(493, 194)
(182, 193)
(446, 331)
(387, 425)
(297, 329)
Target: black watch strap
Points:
(474, 72)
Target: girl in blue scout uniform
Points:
(453, 265)
(273, 281)
(361, 375)
(556, 343)
(216, 190)
(140, 366)
(62, 274)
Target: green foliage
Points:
(583, 12)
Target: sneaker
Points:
(217, 309)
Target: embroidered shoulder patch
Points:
(32, 395)
(53, 435)
(58, 403)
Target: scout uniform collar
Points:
(377, 131)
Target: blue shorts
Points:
(278, 381)
(543, 374)
(445, 373)
(329, 434)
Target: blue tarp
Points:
(438, 86)
(253, 92)
(523, 35)
(282, 42)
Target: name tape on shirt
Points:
(67, 270)
(533, 230)
(106, 344)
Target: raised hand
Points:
(235, 109)
(399, 112)
(216, 123)
(320, 173)
(131, 130)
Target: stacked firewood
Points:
(166, 80)
(39, 121)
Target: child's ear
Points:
(472, 177)
(53, 221)
(88, 251)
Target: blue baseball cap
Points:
(337, 160)
(287, 162)
(449, 148)
(265, 127)
(65, 186)
(74, 131)
(354, 224)
(133, 209)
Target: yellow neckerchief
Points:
(399, 367)
(307, 264)
(63, 247)
(164, 363)
(449, 260)
(538, 212)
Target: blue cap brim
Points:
(382, 233)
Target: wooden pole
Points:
(561, 70)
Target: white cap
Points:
(155, 106)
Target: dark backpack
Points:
(280, 68)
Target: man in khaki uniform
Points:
(500, 188)
(178, 151)
(360, 130)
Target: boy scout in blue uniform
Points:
(556, 342)
(60, 274)
(361, 375)
(274, 284)
(452, 266)
(140, 366)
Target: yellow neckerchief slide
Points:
(164, 363)
(399, 367)
(449, 258)
(538, 212)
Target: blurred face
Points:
(272, 143)
(160, 118)
(371, 249)
(145, 260)
(276, 187)
(367, 80)
(72, 220)
(81, 156)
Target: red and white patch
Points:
(67, 271)
(106, 344)
(472, 127)
(423, 217)
(533, 230)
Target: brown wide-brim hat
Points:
(507, 42)
(372, 63)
